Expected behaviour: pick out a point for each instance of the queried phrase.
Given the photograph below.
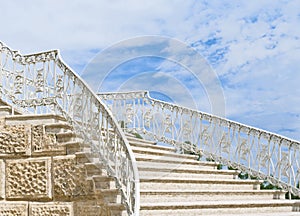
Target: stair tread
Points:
(110, 190)
(9, 108)
(116, 206)
(263, 214)
(75, 143)
(5, 107)
(170, 159)
(209, 191)
(148, 146)
(35, 116)
(187, 170)
(135, 139)
(59, 124)
(220, 203)
(160, 151)
(178, 180)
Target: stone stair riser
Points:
(57, 128)
(196, 186)
(215, 211)
(83, 158)
(66, 137)
(104, 185)
(149, 164)
(5, 111)
(153, 147)
(33, 119)
(192, 197)
(162, 153)
(159, 175)
(112, 197)
(173, 160)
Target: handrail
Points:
(43, 83)
(259, 153)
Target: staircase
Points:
(177, 184)
(170, 183)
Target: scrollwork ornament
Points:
(187, 130)
(168, 123)
(129, 113)
(243, 149)
(224, 143)
(205, 135)
(284, 164)
(39, 83)
(59, 86)
(18, 82)
(77, 106)
(148, 117)
(262, 156)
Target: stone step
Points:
(174, 164)
(164, 153)
(242, 207)
(34, 119)
(127, 134)
(176, 160)
(164, 165)
(171, 172)
(117, 209)
(83, 157)
(58, 127)
(103, 182)
(7, 110)
(149, 196)
(263, 214)
(153, 147)
(73, 147)
(133, 139)
(110, 195)
(198, 184)
(94, 169)
(64, 137)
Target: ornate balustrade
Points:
(257, 152)
(42, 83)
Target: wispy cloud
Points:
(253, 46)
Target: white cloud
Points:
(252, 45)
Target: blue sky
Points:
(252, 46)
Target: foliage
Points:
(123, 124)
(191, 150)
(219, 165)
(137, 135)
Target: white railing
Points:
(42, 83)
(254, 151)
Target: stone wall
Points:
(38, 178)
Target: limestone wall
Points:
(38, 178)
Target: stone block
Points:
(14, 140)
(43, 143)
(28, 179)
(14, 208)
(70, 181)
(91, 208)
(53, 208)
(2, 179)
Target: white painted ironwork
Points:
(42, 83)
(257, 152)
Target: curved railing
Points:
(42, 83)
(257, 152)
